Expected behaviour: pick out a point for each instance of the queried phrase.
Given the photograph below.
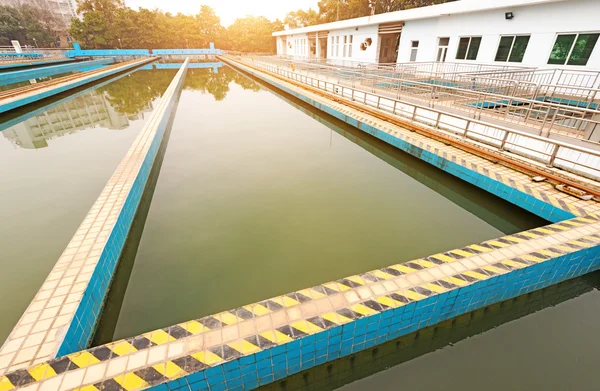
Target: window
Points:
(573, 49)
(512, 48)
(337, 46)
(468, 47)
(413, 50)
(349, 45)
(345, 45)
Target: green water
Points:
(258, 197)
(55, 161)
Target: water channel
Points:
(259, 196)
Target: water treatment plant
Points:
(340, 215)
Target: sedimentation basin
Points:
(266, 162)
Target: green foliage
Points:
(109, 24)
(301, 18)
(332, 10)
(28, 24)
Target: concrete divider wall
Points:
(62, 317)
(13, 102)
(81, 329)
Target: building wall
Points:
(359, 36)
(542, 22)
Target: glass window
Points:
(519, 47)
(350, 46)
(413, 50)
(504, 48)
(584, 45)
(512, 48)
(345, 45)
(463, 45)
(468, 47)
(337, 46)
(473, 48)
(444, 41)
(561, 49)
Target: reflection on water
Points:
(111, 106)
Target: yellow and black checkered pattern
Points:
(198, 361)
(181, 366)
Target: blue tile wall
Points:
(267, 366)
(82, 326)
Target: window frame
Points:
(568, 57)
(414, 49)
(511, 48)
(468, 49)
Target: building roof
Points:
(433, 11)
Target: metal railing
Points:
(571, 158)
(541, 109)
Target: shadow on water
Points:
(335, 374)
(107, 322)
(497, 212)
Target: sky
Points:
(228, 10)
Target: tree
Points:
(301, 18)
(253, 34)
(10, 23)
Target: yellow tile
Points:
(228, 318)
(475, 275)
(357, 279)
(424, 263)
(285, 301)
(462, 253)
(207, 357)
(306, 327)
(130, 381)
(529, 234)
(83, 359)
(479, 248)
(381, 274)
(41, 371)
(443, 257)
(434, 288)
(363, 310)
(169, 369)
(159, 337)
(311, 293)
(335, 318)
(455, 281)
(412, 295)
(5, 384)
(257, 309)
(121, 348)
(243, 346)
(85, 388)
(513, 264)
(194, 327)
(497, 244)
(388, 301)
(276, 336)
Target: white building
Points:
(538, 33)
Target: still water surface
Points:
(259, 197)
(55, 160)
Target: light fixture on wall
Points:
(508, 15)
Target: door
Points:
(442, 49)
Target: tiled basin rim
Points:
(63, 315)
(269, 340)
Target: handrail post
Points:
(504, 138)
(553, 156)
